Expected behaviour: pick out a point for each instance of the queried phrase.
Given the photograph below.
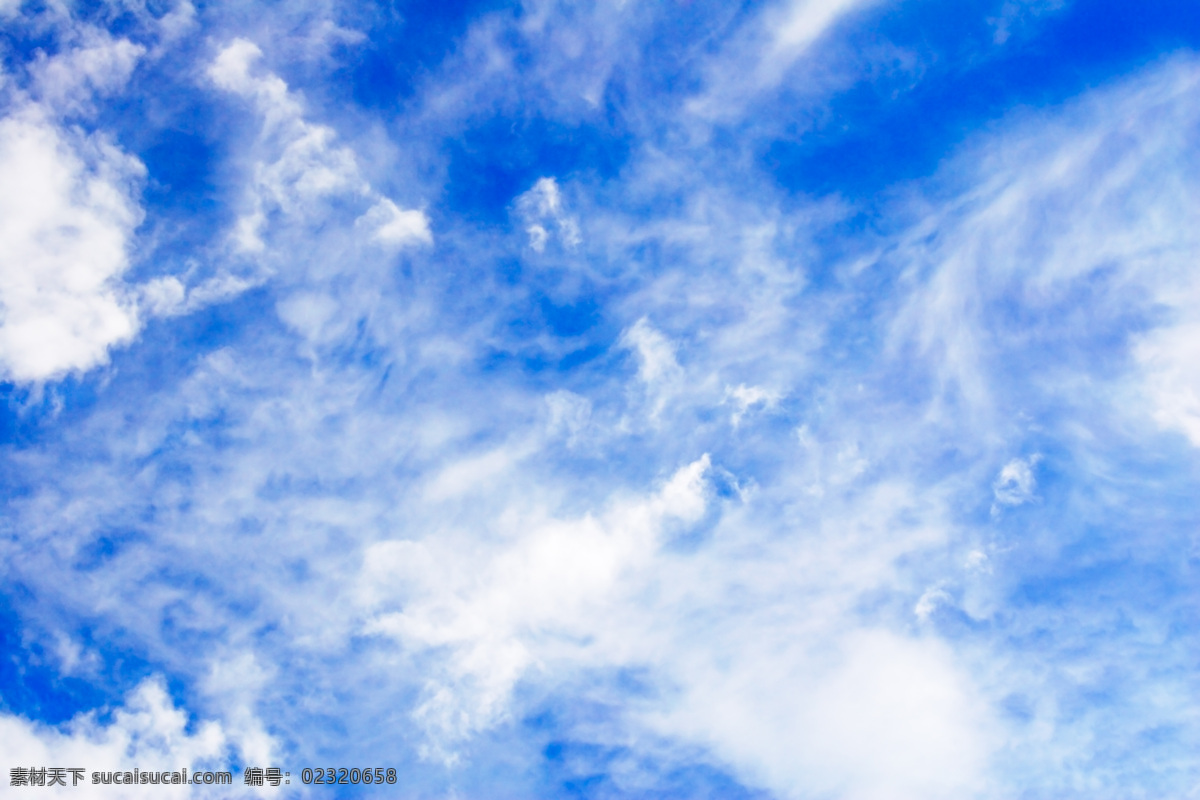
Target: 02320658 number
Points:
(330, 776)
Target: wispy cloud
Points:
(457, 450)
(761, 54)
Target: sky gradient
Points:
(788, 400)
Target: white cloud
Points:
(231, 72)
(301, 164)
(746, 397)
(787, 634)
(656, 354)
(1093, 196)
(396, 227)
(769, 659)
(566, 54)
(1170, 360)
(168, 296)
(793, 27)
(570, 413)
(148, 732)
(68, 210)
(542, 206)
(874, 716)
(309, 167)
(501, 610)
(99, 65)
(235, 683)
(163, 296)
(930, 599)
(977, 561)
(1016, 14)
(474, 474)
(1016, 482)
(1053, 295)
(658, 370)
(308, 313)
(173, 26)
(760, 56)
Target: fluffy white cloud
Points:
(771, 661)
(70, 205)
(395, 227)
(96, 66)
(68, 210)
(500, 611)
(148, 733)
(872, 716)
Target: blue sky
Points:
(604, 399)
